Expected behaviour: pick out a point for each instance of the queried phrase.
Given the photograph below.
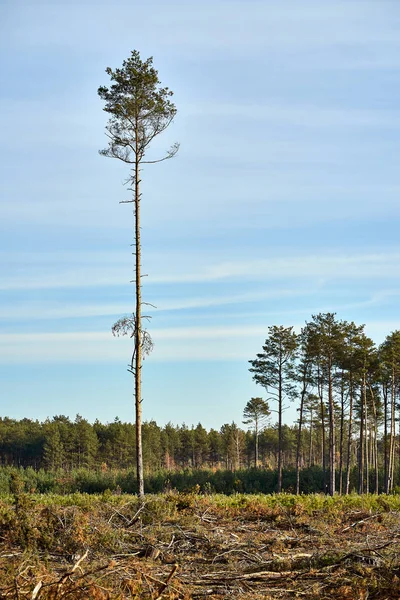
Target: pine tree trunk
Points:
(303, 393)
(389, 485)
(237, 450)
(256, 445)
(323, 443)
(392, 431)
(361, 452)
(280, 401)
(341, 442)
(310, 458)
(138, 337)
(376, 464)
(366, 442)
(323, 458)
(385, 435)
(332, 444)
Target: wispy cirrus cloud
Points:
(202, 268)
(343, 266)
(75, 310)
(193, 343)
(304, 115)
(262, 24)
(185, 343)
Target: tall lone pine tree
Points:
(139, 109)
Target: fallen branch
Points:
(36, 590)
(252, 557)
(164, 586)
(361, 522)
(78, 562)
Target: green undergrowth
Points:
(49, 521)
(207, 481)
(173, 503)
(307, 505)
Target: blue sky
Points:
(282, 201)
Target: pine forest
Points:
(344, 390)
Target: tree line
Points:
(344, 388)
(347, 394)
(62, 443)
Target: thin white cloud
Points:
(172, 344)
(67, 279)
(340, 266)
(276, 199)
(313, 116)
(184, 25)
(224, 300)
(48, 311)
(202, 268)
(209, 333)
(340, 304)
(191, 343)
(70, 126)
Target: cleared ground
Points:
(193, 546)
